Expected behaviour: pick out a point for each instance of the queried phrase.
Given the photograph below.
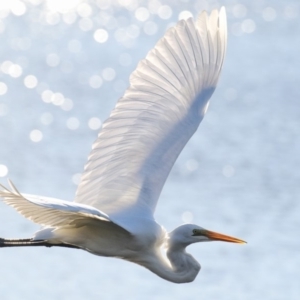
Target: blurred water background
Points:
(64, 64)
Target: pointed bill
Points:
(221, 237)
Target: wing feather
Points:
(163, 106)
(50, 212)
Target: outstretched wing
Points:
(162, 108)
(52, 212)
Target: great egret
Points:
(112, 214)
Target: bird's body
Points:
(112, 214)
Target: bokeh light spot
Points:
(184, 15)
(101, 35)
(94, 123)
(3, 170)
(142, 14)
(3, 88)
(36, 135)
(30, 81)
(15, 70)
(18, 8)
(165, 12)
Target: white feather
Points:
(163, 106)
(49, 211)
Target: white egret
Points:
(112, 214)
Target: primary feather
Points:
(159, 112)
(49, 211)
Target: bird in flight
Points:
(112, 214)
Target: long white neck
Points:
(181, 267)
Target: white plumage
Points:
(112, 214)
(152, 122)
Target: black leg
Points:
(30, 242)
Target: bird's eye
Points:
(195, 231)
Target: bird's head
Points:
(187, 234)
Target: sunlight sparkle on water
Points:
(94, 123)
(30, 81)
(3, 170)
(165, 12)
(5, 66)
(101, 35)
(18, 8)
(3, 88)
(185, 15)
(57, 99)
(14, 70)
(47, 95)
(84, 10)
(36, 135)
(142, 14)
(62, 6)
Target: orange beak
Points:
(220, 237)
